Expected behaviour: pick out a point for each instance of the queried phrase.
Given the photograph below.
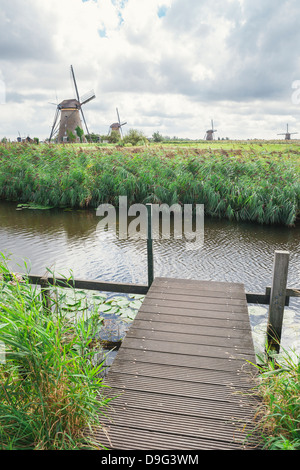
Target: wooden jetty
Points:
(183, 378)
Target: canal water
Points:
(65, 240)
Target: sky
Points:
(169, 66)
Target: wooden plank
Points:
(201, 285)
(190, 349)
(175, 425)
(188, 374)
(182, 376)
(192, 292)
(172, 325)
(225, 311)
(205, 407)
(241, 343)
(193, 301)
(144, 439)
(207, 362)
(117, 287)
(150, 316)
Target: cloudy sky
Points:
(167, 65)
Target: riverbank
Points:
(256, 183)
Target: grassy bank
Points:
(256, 183)
(50, 385)
(279, 413)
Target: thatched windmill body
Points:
(69, 113)
(287, 133)
(117, 126)
(209, 135)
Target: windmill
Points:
(117, 126)
(24, 139)
(287, 133)
(210, 133)
(69, 114)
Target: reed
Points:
(50, 385)
(279, 413)
(244, 184)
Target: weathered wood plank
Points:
(198, 407)
(176, 326)
(225, 311)
(168, 358)
(241, 343)
(188, 374)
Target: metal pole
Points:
(277, 299)
(150, 246)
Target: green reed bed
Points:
(279, 413)
(248, 184)
(50, 384)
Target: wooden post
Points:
(150, 246)
(45, 292)
(277, 299)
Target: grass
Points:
(279, 413)
(247, 181)
(51, 390)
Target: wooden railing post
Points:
(277, 299)
(45, 292)
(150, 246)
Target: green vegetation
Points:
(279, 413)
(49, 384)
(79, 133)
(51, 369)
(239, 181)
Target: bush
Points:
(135, 137)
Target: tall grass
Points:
(50, 384)
(279, 413)
(245, 184)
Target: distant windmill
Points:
(117, 126)
(24, 139)
(287, 133)
(69, 114)
(210, 133)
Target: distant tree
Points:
(135, 137)
(114, 137)
(93, 137)
(79, 132)
(157, 137)
(71, 136)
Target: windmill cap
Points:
(69, 104)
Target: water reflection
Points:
(69, 240)
(65, 240)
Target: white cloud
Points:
(168, 65)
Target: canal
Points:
(65, 240)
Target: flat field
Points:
(256, 181)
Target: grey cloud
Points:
(24, 32)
